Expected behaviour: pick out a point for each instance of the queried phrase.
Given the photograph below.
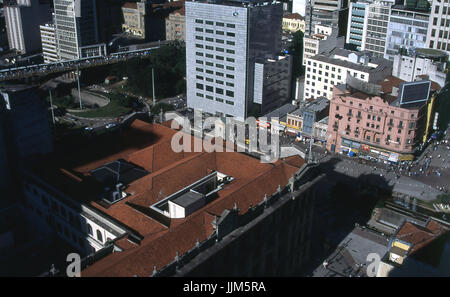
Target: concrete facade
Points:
(438, 35)
(176, 26)
(369, 123)
(324, 71)
(49, 44)
(357, 24)
(134, 19)
(223, 41)
(76, 27)
(407, 29)
(22, 18)
(431, 63)
(377, 26)
(294, 22)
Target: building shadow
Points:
(343, 203)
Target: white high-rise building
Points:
(438, 35)
(225, 42)
(22, 18)
(49, 45)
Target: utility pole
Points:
(79, 92)
(51, 106)
(153, 86)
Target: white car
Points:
(110, 125)
(88, 128)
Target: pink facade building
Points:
(375, 125)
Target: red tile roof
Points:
(169, 172)
(419, 236)
(293, 16)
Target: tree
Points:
(169, 64)
(297, 51)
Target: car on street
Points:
(110, 125)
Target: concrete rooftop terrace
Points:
(149, 146)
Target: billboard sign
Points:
(414, 92)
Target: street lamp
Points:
(79, 91)
(153, 85)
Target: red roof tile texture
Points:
(419, 236)
(170, 172)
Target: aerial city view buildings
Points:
(224, 138)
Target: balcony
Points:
(349, 114)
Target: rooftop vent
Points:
(186, 201)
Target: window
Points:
(199, 95)
(230, 76)
(230, 102)
(199, 54)
(220, 82)
(199, 21)
(230, 51)
(230, 68)
(99, 236)
(230, 84)
(220, 41)
(199, 77)
(209, 23)
(44, 200)
(199, 29)
(220, 24)
(231, 34)
(209, 89)
(209, 39)
(230, 59)
(209, 31)
(230, 93)
(199, 86)
(219, 91)
(231, 26)
(209, 56)
(89, 229)
(209, 47)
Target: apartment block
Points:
(377, 27)
(421, 62)
(357, 24)
(325, 71)
(438, 36)
(323, 40)
(407, 29)
(49, 44)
